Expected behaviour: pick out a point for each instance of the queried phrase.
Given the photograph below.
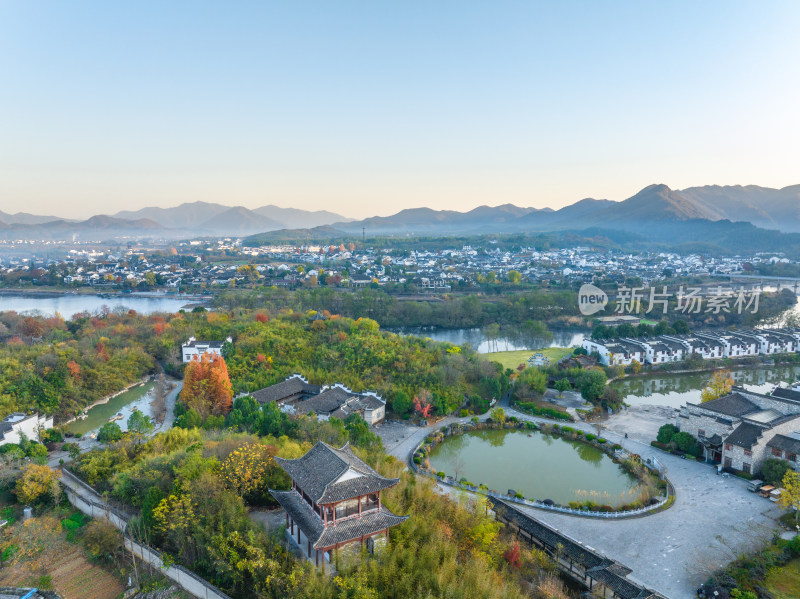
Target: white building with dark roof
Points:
(197, 349)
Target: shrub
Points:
(519, 495)
(616, 447)
(440, 474)
(774, 470)
(590, 437)
(666, 433)
(475, 420)
(687, 444)
(417, 459)
(601, 440)
(463, 412)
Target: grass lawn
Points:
(784, 583)
(512, 359)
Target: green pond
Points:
(538, 465)
(136, 398)
(675, 390)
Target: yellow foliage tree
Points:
(790, 496)
(720, 384)
(245, 469)
(36, 482)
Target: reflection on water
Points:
(68, 304)
(537, 465)
(478, 340)
(676, 389)
(137, 398)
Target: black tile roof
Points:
(349, 529)
(285, 389)
(606, 571)
(324, 403)
(316, 473)
(745, 435)
(786, 394)
(733, 404)
(784, 443)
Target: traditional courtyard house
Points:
(742, 429)
(773, 342)
(335, 501)
(339, 402)
(790, 342)
(296, 395)
(18, 425)
(294, 389)
(194, 348)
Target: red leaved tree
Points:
(207, 387)
(512, 555)
(422, 403)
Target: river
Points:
(68, 304)
(479, 341)
(674, 390)
(137, 398)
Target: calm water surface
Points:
(69, 304)
(537, 465)
(674, 390)
(477, 340)
(124, 403)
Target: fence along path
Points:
(88, 501)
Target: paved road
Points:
(713, 519)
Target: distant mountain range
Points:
(193, 219)
(695, 215)
(706, 218)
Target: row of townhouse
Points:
(624, 351)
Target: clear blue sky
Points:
(367, 107)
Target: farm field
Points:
(48, 560)
(512, 359)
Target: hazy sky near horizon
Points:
(366, 108)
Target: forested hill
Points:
(59, 367)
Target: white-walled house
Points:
(193, 348)
(14, 426)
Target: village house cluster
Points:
(708, 345)
(226, 262)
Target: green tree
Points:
(109, 433)
(140, 425)
(563, 385)
(514, 277)
(401, 403)
(498, 414)
(666, 433)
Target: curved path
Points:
(714, 518)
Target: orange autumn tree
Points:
(207, 387)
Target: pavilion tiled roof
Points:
(343, 531)
(318, 470)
